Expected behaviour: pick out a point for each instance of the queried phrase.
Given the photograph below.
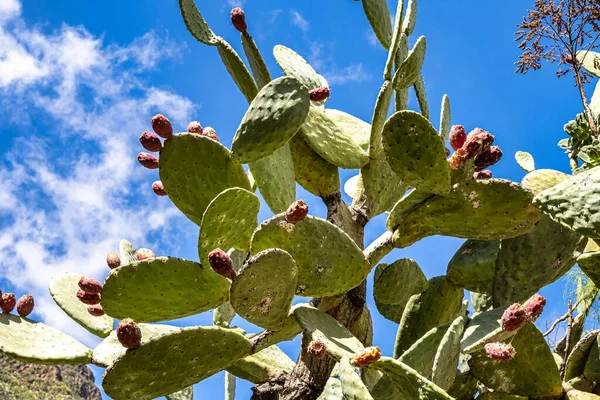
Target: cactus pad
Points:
(379, 17)
(228, 221)
(161, 289)
(237, 69)
(127, 252)
(394, 284)
(542, 179)
(196, 24)
(332, 390)
(421, 355)
(274, 177)
(194, 170)
(410, 70)
(33, 342)
(183, 394)
(356, 128)
(352, 387)
(579, 355)
(590, 265)
(264, 366)
(176, 359)
(448, 353)
(590, 60)
(63, 289)
(415, 152)
(472, 266)
(331, 142)
(264, 288)
(275, 115)
(592, 365)
(481, 302)
(328, 260)
(525, 161)
(312, 172)
(445, 119)
(484, 328)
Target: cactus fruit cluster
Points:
(24, 305)
(520, 237)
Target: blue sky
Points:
(79, 81)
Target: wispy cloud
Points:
(236, 3)
(322, 60)
(371, 38)
(299, 21)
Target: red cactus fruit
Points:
(113, 260)
(317, 349)
(534, 306)
(195, 127)
(150, 142)
(296, 212)
(90, 286)
(162, 126)
(129, 334)
(96, 310)
(457, 160)
(221, 263)
(158, 188)
(8, 302)
(477, 142)
(513, 318)
(144, 254)
(238, 19)
(486, 174)
(500, 351)
(25, 305)
(319, 94)
(89, 299)
(209, 132)
(366, 357)
(458, 136)
(488, 158)
(148, 160)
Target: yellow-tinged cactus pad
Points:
(525, 161)
(541, 179)
(263, 290)
(194, 170)
(173, 361)
(63, 290)
(228, 221)
(328, 260)
(163, 288)
(183, 394)
(356, 128)
(264, 366)
(33, 342)
(332, 390)
(275, 178)
(312, 172)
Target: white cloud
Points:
(322, 60)
(372, 38)
(299, 21)
(351, 73)
(236, 3)
(9, 9)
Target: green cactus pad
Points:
(109, 350)
(321, 326)
(274, 116)
(421, 95)
(228, 221)
(397, 38)
(405, 206)
(410, 70)
(356, 128)
(196, 24)
(484, 328)
(410, 19)
(162, 289)
(63, 289)
(592, 366)
(438, 304)
(264, 366)
(529, 262)
(415, 152)
(274, 177)
(590, 60)
(579, 355)
(379, 17)
(478, 209)
(464, 386)
(328, 260)
(264, 288)
(352, 386)
(237, 69)
(127, 252)
(332, 390)
(481, 302)
(541, 179)
(491, 395)
(409, 383)
(532, 372)
(177, 359)
(224, 314)
(312, 172)
(573, 203)
(289, 331)
(255, 61)
(194, 170)
(472, 266)
(421, 355)
(448, 353)
(33, 342)
(331, 142)
(184, 394)
(445, 119)
(525, 161)
(590, 265)
(394, 284)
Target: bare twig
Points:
(563, 366)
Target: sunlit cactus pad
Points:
(356, 128)
(263, 366)
(312, 172)
(163, 288)
(294, 65)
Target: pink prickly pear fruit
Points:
(366, 357)
(488, 158)
(148, 160)
(513, 318)
(317, 349)
(158, 188)
(500, 351)
(195, 127)
(477, 142)
(96, 310)
(8, 302)
(457, 160)
(90, 286)
(129, 334)
(296, 212)
(113, 261)
(238, 19)
(209, 132)
(319, 94)
(144, 254)
(89, 299)
(534, 306)
(481, 175)
(150, 142)
(221, 263)
(458, 136)
(25, 305)
(162, 126)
